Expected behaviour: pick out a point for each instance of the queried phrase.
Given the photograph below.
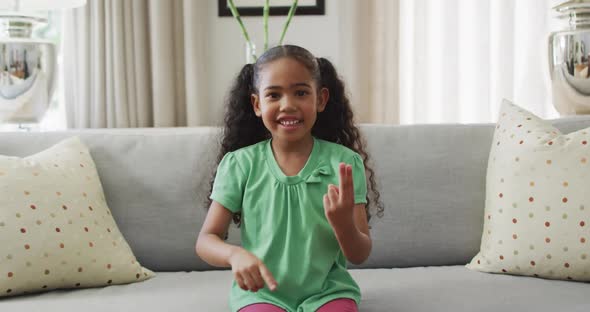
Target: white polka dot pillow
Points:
(56, 230)
(537, 211)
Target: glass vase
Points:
(250, 53)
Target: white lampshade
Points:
(39, 5)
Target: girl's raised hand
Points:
(249, 271)
(339, 201)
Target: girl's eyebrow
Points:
(299, 84)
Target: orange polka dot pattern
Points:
(50, 239)
(538, 227)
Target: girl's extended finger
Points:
(268, 278)
(342, 176)
(350, 180)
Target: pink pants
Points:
(336, 305)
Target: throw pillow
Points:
(537, 210)
(56, 230)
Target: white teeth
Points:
(289, 122)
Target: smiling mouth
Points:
(290, 122)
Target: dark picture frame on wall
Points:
(277, 7)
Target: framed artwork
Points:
(277, 7)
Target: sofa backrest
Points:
(431, 179)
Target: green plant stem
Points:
(265, 20)
(236, 15)
(290, 15)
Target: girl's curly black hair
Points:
(335, 124)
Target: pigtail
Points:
(331, 123)
(241, 125)
(336, 124)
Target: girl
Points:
(289, 138)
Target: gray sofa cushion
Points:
(422, 289)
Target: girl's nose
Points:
(287, 104)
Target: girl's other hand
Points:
(339, 201)
(249, 271)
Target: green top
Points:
(283, 223)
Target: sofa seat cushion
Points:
(457, 289)
(450, 288)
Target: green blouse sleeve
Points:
(359, 179)
(229, 185)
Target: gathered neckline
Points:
(302, 174)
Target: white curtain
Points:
(136, 63)
(433, 61)
(370, 40)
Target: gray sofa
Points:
(432, 181)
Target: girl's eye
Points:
(301, 93)
(272, 95)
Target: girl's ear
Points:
(255, 100)
(324, 96)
